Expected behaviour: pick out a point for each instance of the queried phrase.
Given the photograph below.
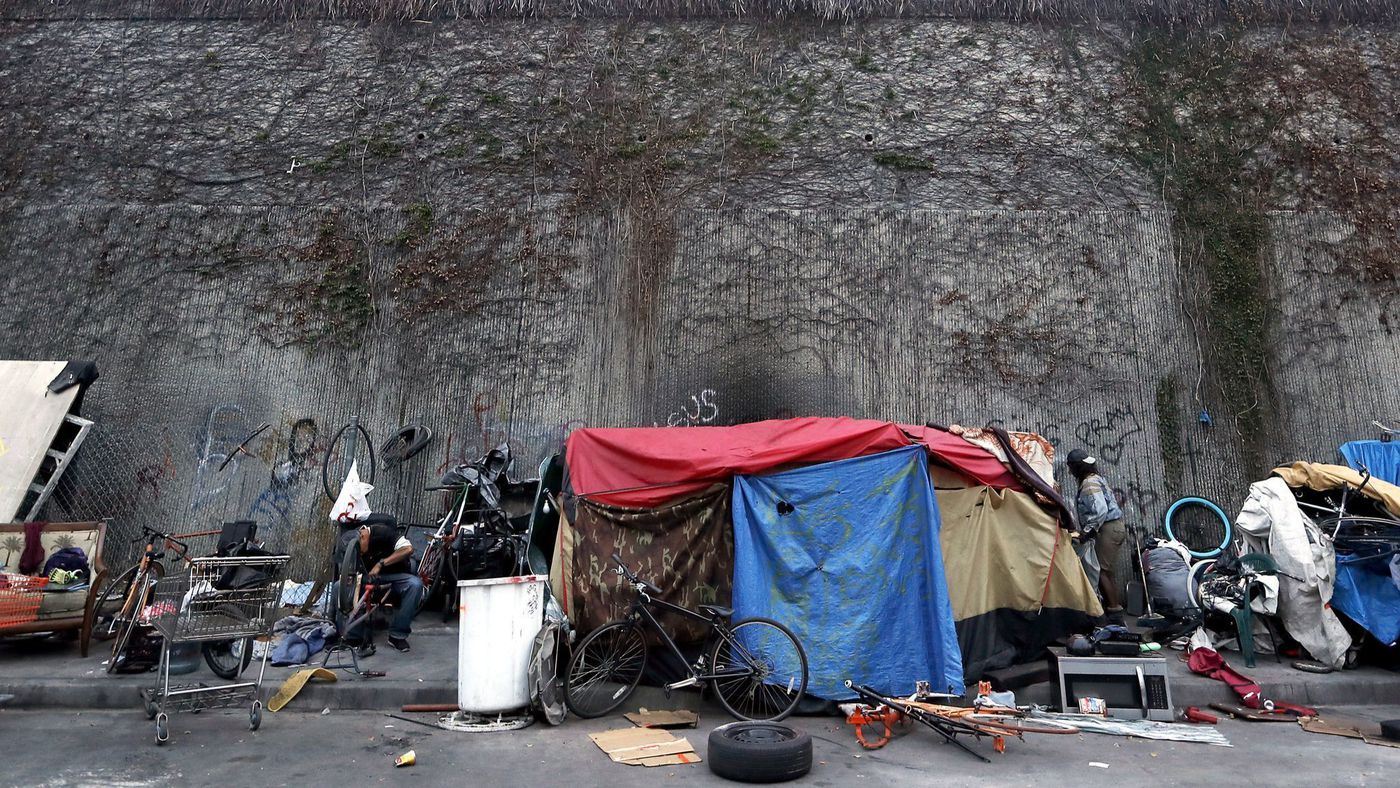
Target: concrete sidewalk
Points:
(48, 673)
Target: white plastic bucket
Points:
(499, 618)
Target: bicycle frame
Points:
(640, 608)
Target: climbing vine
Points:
(1227, 124)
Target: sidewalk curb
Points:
(348, 694)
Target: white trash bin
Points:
(499, 618)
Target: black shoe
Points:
(400, 644)
(365, 650)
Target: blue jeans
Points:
(408, 593)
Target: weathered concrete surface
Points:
(215, 748)
(515, 229)
(50, 674)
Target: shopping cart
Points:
(217, 599)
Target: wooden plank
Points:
(29, 420)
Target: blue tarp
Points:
(1367, 593)
(1382, 459)
(847, 555)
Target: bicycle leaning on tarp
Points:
(756, 667)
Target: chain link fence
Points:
(132, 483)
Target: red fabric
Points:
(965, 456)
(31, 559)
(646, 466)
(1207, 662)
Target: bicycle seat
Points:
(717, 611)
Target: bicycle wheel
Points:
(108, 606)
(773, 665)
(1007, 722)
(138, 597)
(1204, 536)
(228, 658)
(1194, 579)
(429, 572)
(605, 669)
(1361, 531)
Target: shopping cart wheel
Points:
(255, 716)
(162, 729)
(151, 709)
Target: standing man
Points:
(1101, 520)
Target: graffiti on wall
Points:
(700, 408)
(1107, 436)
(290, 469)
(531, 440)
(224, 428)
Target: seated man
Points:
(386, 557)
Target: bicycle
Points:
(756, 667)
(440, 566)
(475, 528)
(1355, 532)
(119, 608)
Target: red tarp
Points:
(965, 456)
(646, 466)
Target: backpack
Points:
(72, 559)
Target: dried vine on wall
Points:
(1228, 123)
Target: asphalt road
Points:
(358, 748)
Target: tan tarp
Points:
(685, 547)
(998, 548)
(1319, 476)
(561, 568)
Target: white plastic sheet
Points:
(1271, 522)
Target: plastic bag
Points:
(352, 505)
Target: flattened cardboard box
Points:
(645, 746)
(679, 718)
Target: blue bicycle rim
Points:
(1167, 523)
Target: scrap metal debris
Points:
(1146, 729)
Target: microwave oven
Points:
(1133, 688)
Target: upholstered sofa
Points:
(60, 610)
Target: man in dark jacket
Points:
(386, 557)
(1101, 520)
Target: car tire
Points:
(759, 752)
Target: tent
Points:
(646, 466)
(1014, 580)
(1013, 586)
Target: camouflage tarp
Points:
(685, 546)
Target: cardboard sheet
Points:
(679, 718)
(645, 747)
(1365, 730)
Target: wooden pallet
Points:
(30, 418)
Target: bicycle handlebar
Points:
(147, 531)
(632, 576)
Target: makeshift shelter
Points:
(1322, 477)
(1014, 584)
(1014, 580)
(847, 555)
(1365, 591)
(686, 547)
